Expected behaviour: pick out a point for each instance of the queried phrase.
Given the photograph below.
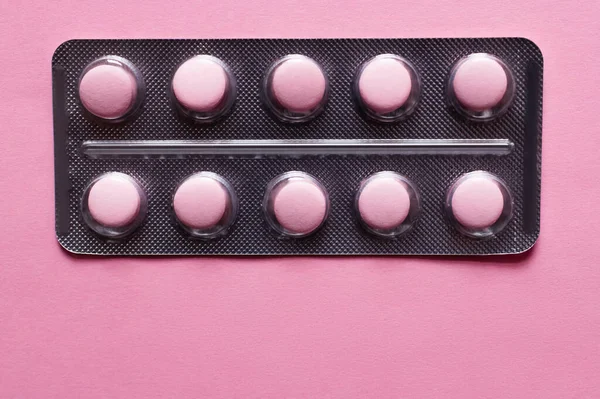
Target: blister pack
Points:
(297, 146)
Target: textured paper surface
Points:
(523, 327)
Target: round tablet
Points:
(200, 202)
(300, 206)
(108, 90)
(477, 202)
(298, 84)
(384, 203)
(385, 84)
(114, 200)
(200, 84)
(480, 82)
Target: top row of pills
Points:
(386, 88)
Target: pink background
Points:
(513, 327)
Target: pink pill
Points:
(477, 202)
(384, 203)
(298, 84)
(114, 200)
(200, 84)
(385, 84)
(200, 202)
(300, 206)
(480, 82)
(108, 90)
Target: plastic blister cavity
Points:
(205, 205)
(296, 204)
(295, 88)
(387, 204)
(114, 205)
(203, 88)
(387, 88)
(481, 87)
(111, 89)
(479, 204)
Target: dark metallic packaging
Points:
(431, 144)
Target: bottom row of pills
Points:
(296, 204)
